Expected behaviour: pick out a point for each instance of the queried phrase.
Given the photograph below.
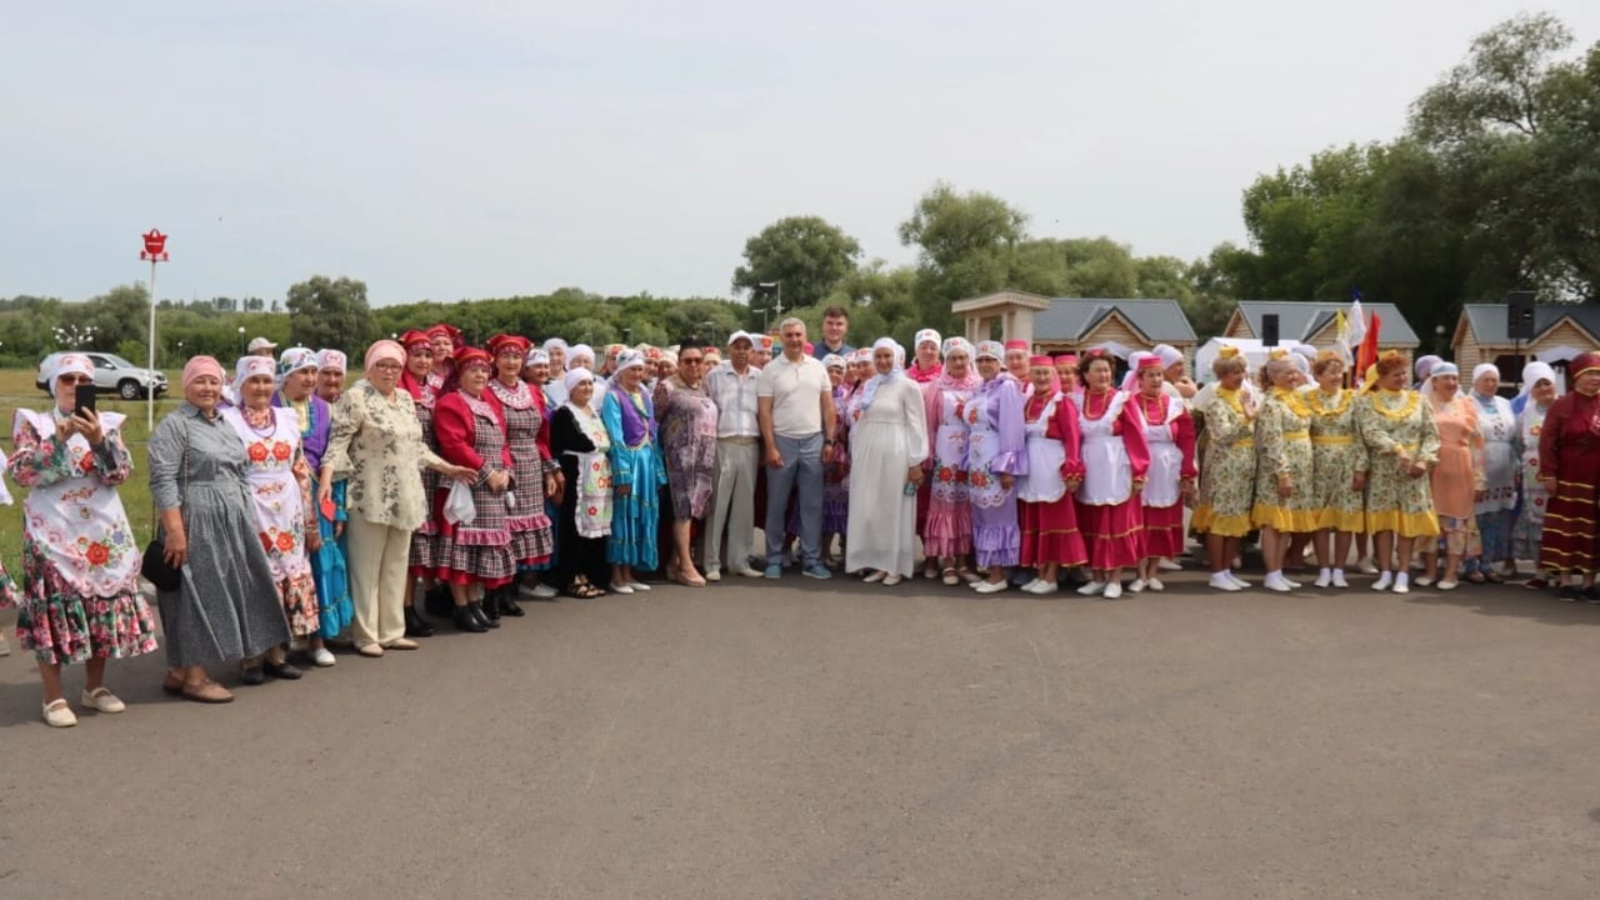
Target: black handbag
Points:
(155, 568)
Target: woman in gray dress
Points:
(226, 608)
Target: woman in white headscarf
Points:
(636, 473)
(81, 600)
(1539, 391)
(1457, 479)
(580, 443)
(889, 441)
(1496, 508)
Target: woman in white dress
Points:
(1496, 510)
(888, 442)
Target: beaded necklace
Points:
(1088, 405)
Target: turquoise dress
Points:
(335, 608)
(635, 463)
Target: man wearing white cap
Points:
(732, 387)
(262, 347)
(1179, 384)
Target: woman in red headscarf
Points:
(475, 557)
(532, 537)
(1169, 432)
(1116, 460)
(1569, 469)
(445, 341)
(1050, 537)
(417, 380)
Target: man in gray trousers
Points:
(797, 426)
(732, 387)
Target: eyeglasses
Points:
(388, 366)
(690, 361)
(77, 379)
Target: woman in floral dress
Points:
(475, 558)
(689, 449)
(532, 535)
(1538, 393)
(280, 487)
(947, 529)
(1402, 445)
(1285, 502)
(81, 600)
(419, 380)
(1457, 479)
(1496, 509)
(996, 454)
(298, 371)
(1228, 472)
(1339, 468)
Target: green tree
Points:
(327, 312)
(966, 246)
(807, 254)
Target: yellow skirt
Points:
(1206, 521)
(1284, 519)
(1406, 525)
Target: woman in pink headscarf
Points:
(947, 528)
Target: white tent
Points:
(1254, 352)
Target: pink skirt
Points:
(947, 531)
(1050, 534)
(1114, 534)
(1163, 531)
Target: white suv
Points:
(112, 375)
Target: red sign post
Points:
(155, 250)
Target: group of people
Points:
(295, 512)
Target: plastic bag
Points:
(458, 506)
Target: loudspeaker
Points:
(1519, 315)
(1269, 330)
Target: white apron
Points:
(1108, 473)
(1166, 457)
(79, 523)
(280, 519)
(1046, 456)
(950, 448)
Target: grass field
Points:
(17, 391)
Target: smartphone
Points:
(84, 399)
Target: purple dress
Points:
(996, 446)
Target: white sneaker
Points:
(1092, 588)
(1138, 586)
(322, 657)
(713, 574)
(1243, 585)
(1277, 583)
(1031, 585)
(1042, 587)
(891, 580)
(620, 588)
(1367, 567)
(1402, 584)
(1222, 582)
(1424, 581)
(1155, 584)
(750, 572)
(990, 587)
(1113, 590)
(1384, 581)
(1293, 584)
(1324, 579)
(1338, 579)
(1168, 565)
(639, 586)
(1448, 585)
(875, 577)
(544, 591)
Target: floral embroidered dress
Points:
(1529, 530)
(471, 433)
(1398, 427)
(1228, 474)
(80, 561)
(278, 483)
(1497, 511)
(688, 445)
(947, 529)
(1283, 448)
(996, 445)
(630, 420)
(532, 535)
(335, 607)
(1338, 454)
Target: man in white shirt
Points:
(732, 387)
(795, 403)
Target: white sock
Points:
(1275, 575)
(1402, 578)
(1325, 573)
(1338, 573)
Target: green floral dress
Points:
(1338, 454)
(1227, 476)
(1397, 426)
(1283, 448)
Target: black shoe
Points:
(490, 604)
(466, 621)
(1567, 594)
(483, 616)
(253, 675)
(286, 670)
(416, 625)
(438, 602)
(508, 603)
(1591, 594)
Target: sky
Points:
(446, 150)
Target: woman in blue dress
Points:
(297, 382)
(636, 474)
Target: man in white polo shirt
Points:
(732, 386)
(796, 412)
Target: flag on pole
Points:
(1369, 347)
(1356, 322)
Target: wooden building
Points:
(1071, 324)
(1560, 331)
(1316, 323)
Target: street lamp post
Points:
(711, 329)
(155, 250)
(766, 323)
(241, 340)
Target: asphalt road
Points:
(835, 740)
